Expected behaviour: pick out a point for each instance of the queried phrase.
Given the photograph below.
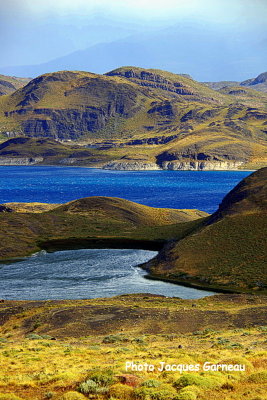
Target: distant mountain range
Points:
(135, 118)
(258, 83)
(206, 54)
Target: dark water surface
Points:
(173, 189)
(84, 274)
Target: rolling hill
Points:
(229, 250)
(259, 83)
(9, 84)
(136, 118)
(89, 222)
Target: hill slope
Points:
(90, 222)
(229, 251)
(9, 84)
(259, 83)
(138, 118)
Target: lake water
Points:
(173, 189)
(103, 272)
(83, 274)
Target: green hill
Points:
(30, 151)
(259, 83)
(229, 250)
(90, 222)
(136, 118)
(9, 84)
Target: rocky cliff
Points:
(20, 160)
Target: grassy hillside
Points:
(49, 151)
(259, 83)
(77, 350)
(229, 250)
(9, 84)
(151, 116)
(91, 222)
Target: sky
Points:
(37, 31)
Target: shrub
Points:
(140, 340)
(258, 377)
(238, 360)
(121, 391)
(72, 396)
(188, 393)
(115, 339)
(88, 387)
(33, 336)
(49, 395)
(162, 392)
(103, 377)
(208, 381)
(151, 383)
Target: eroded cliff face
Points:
(131, 165)
(202, 165)
(173, 85)
(20, 160)
(69, 105)
(152, 80)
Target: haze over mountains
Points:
(206, 52)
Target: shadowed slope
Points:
(91, 222)
(229, 251)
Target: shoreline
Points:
(61, 245)
(129, 170)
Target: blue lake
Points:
(173, 189)
(85, 274)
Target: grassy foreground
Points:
(71, 350)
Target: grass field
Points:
(71, 350)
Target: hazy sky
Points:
(36, 31)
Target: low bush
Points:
(162, 392)
(88, 387)
(188, 393)
(121, 391)
(103, 377)
(204, 381)
(258, 377)
(151, 383)
(73, 396)
(115, 339)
